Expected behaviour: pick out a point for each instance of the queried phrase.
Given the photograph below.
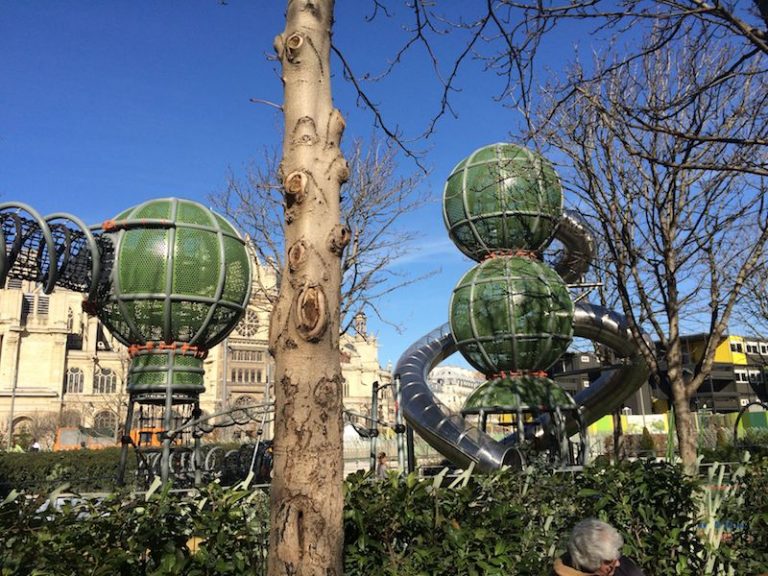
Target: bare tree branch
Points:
(673, 199)
(373, 199)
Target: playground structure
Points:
(509, 318)
(170, 279)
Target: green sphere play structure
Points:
(169, 278)
(511, 314)
(524, 392)
(179, 284)
(502, 197)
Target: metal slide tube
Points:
(464, 444)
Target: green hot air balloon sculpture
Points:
(511, 315)
(169, 278)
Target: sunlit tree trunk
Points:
(306, 534)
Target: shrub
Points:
(82, 470)
(510, 523)
(746, 518)
(215, 531)
(514, 523)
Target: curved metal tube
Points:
(8, 259)
(444, 430)
(579, 246)
(464, 444)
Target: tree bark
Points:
(306, 536)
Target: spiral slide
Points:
(464, 444)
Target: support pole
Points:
(165, 461)
(411, 451)
(14, 385)
(125, 440)
(399, 423)
(197, 456)
(373, 423)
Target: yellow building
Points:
(60, 368)
(738, 372)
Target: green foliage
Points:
(752, 440)
(216, 531)
(647, 446)
(83, 470)
(746, 518)
(480, 525)
(506, 523)
(514, 522)
(655, 507)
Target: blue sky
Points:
(106, 104)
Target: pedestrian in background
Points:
(381, 465)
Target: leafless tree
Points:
(511, 38)
(374, 198)
(682, 215)
(41, 426)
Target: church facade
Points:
(60, 369)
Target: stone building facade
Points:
(61, 369)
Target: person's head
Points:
(382, 456)
(595, 547)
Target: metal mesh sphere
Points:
(181, 274)
(502, 197)
(522, 392)
(511, 314)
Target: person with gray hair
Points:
(594, 548)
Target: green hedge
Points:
(513, 523)
(217, 531)
(509, 523)
(83, 470)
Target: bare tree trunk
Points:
(619, 450)
(684, 426)
(306, 535)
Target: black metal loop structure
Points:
(168, 278)
(45, 249)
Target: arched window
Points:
(104, 381)
(105, 423)
(74, 381)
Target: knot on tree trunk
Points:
(297, 256)
(343, 173)
(295, 186)
(336, 126)
(311, 313)
(304, 132)
(292, 47)
(338, 239)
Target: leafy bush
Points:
(752, 440)
(655, 507)
(217, 531)
(514, 523)
(746, 518)
(83, 470)
(510, 523)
